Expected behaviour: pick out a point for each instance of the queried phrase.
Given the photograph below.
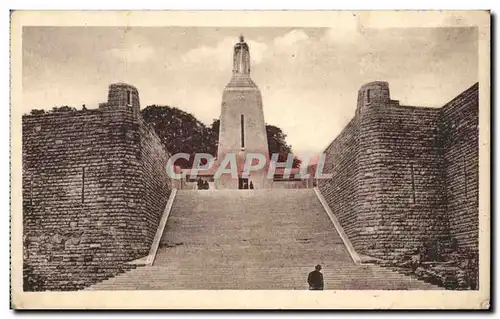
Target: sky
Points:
(309, 77)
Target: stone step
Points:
(270, 278)
(255, 239)
(274, 283)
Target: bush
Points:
(64, 108)
(37, 112)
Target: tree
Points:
(276, 139)
(181, 132)
(62, 109)
(37, 112)
(214, 136)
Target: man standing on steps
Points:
(315, 279)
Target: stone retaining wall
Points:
(404, 175)
(94, 190)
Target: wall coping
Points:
(161, 227)
(347, 243)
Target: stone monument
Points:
(242, 126)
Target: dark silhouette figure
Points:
(315, 279)
(199, 183)
(251, 185)
(205, 185)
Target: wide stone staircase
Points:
(253, 239)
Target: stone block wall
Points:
(94, 189)
(156, 182)
(341, 191)
(398, 180)
(460, 141)
(401, 195)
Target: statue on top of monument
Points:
(241, 57)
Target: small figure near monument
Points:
(251, 185)
(202, 184)
(315, 279)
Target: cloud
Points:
(134, 54)
(291, 39)
(257, 51)
(288, 48)
(342, 36)
(221, 54)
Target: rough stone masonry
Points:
(94, 189)
(404, 176)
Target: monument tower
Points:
(242, 126)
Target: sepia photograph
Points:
(174, 155)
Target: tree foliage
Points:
(55, 109)
(181, 132)
(37, 112)
(64, 108)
